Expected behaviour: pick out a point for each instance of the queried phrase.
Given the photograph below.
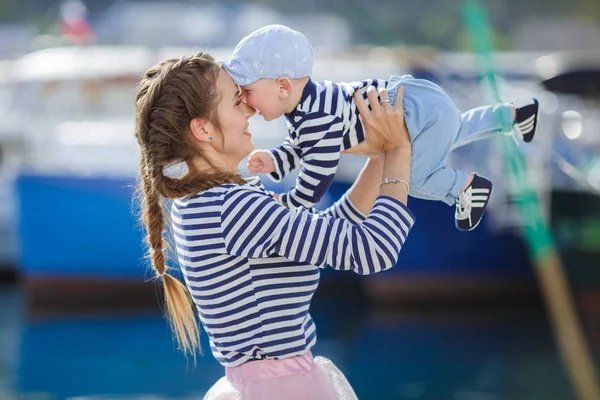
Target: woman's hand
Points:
(384, 124)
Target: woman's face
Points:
(234, 142)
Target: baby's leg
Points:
(484, 122)
(444, 185)
(471, 193)
(430, 177)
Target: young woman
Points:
(251, 266)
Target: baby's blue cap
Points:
(270, 52)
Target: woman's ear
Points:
(201, 129)
(285, 87)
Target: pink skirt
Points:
(294, 378)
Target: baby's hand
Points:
(260, 162)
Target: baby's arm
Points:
(285, 158)
(320, 159)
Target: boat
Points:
(78, 227)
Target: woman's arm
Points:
(356, 203)
(384, 129)
(254, 225)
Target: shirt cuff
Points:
(276, 176)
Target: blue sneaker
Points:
(472, 202)
(527, 118)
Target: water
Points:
(461, 353)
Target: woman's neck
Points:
(203, 166)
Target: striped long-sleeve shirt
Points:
(252, 265)
(325, 123)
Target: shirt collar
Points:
(309, 89)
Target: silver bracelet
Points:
(395, 180)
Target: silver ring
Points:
(385, 100)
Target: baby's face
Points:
(263, 95)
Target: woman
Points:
(251, 265)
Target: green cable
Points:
(567, 329)
(537, 234)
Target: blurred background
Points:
(461, 315)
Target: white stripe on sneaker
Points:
(528, 120)
(528, 126)
(526, 129)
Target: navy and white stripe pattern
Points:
(252, 265)
(325, 123)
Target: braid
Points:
(169, 96)
(193, 183)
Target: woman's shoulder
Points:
(252, 188)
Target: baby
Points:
(273, 66)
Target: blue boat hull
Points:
(88, 228)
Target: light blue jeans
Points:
(436, 127)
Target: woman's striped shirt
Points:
(252, 265)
